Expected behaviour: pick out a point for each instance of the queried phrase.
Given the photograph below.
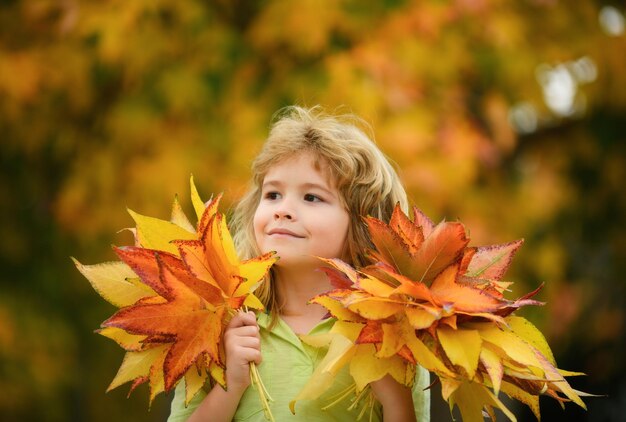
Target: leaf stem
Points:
(258, 385)
(265, 398)
(340, 396)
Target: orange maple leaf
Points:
(187, 320)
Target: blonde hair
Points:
(367, 182)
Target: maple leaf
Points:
(192, 324)
(414, 252)
(429, 299)
(176, 289)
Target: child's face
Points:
(300, 215)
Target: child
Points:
(313, 180)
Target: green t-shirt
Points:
(287, 366)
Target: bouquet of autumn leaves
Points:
(177, 288)
(432, 300)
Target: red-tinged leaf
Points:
(448, 293)
(184, 352)
(203, 289)
(210, 209)
(557, 397)
(533, 293)
(406, 354)
(341, 266)
(185, 316)
(442, 248)
(468, 254)
(492, 262)
(337, 278)
(156, 339)
(409, 232)
(420, 219)
(152, 300)
(415, 289)
(372, 332)
(389, 245)
(375, 257)
(144, 263)
(220, 255)
(136, 383)
(383, 272)
(236, 302)
(522, 301)
(193, 254)
(215, 256)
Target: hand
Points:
(242, 345)
(396, 399)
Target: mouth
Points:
(283, 232)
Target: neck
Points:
(295, 287)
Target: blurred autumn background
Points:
(508, 115)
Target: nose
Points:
(284, 209)
(282, 214)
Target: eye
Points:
(271, 195)
(309, 197)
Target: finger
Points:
(249, 318)
(249, 342)
(247, 354)
(244, 331)
(241, 319)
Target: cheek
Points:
(259, 220)
(339, 230)
(344, 221)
